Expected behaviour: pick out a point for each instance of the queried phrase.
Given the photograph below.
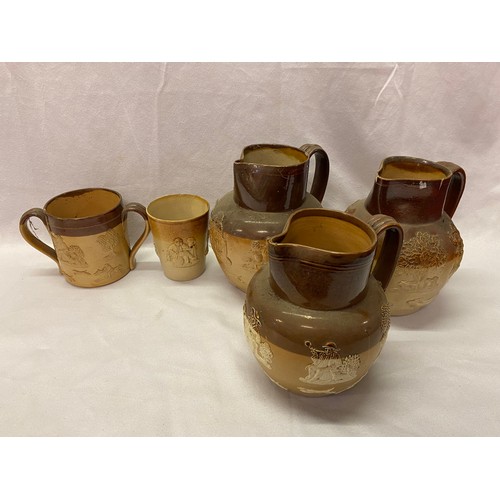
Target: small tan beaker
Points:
(179, 224)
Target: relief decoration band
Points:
(260, 348)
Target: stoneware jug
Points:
(316, 316)
(88, 228)
(422, 196)
(270, 181)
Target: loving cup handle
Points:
(457, 186)
(141, 210)
(391, 247)
(31, 238)
(322, 170)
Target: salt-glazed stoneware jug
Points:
(270, 181)
(316, 316)
(422, 196)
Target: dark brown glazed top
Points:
(354, 329)
(84, 212)
(322, 259)
(271, 178)
(412, 190)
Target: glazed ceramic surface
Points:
(422, 196)
(270, 182)
(316, 316)
(179, 224)
(88, 230)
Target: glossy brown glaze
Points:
(269, 183)
(422, 196)
(270, 178)
(414, 190)
(320, 262)
(84, 212)
(323, 258)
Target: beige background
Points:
(147, 356)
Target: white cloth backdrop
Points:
(150, 357)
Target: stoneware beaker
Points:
(179, 223)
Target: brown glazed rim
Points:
(411, 159)
(94, 223)
(252, 147)
(323, 212)
(179, 221)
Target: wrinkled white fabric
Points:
(151, 357)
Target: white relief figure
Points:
(329, 367)
(183, 254)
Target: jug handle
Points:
(141, 210)
(391, 247)
(31, 238)
(457, 186)
(322, 171)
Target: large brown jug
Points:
(422, 196)
(316, 316)
(270, 181)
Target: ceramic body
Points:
(88, 228)
(316, 316)
(422, 196)
(179, 224)
(270, 182)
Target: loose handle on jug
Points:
(31, 238)
(391, 247)
(322, 170)
(456, 189)
(141, 210)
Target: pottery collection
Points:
(319, 285)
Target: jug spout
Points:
(322, 259)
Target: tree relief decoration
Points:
(260, 348)
(110, 241)
(422, 250)
(458, 244)
(385, 319)
(257, 255)
(69, 254)
(218, 238)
